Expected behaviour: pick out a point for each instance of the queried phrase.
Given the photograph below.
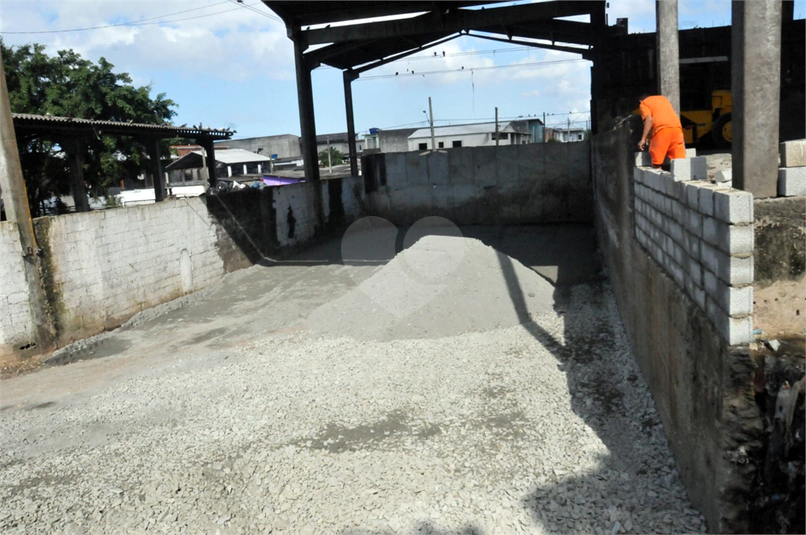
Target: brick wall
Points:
(105, 266)
(702, 236)
(16, 327)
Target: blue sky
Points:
(231, 65)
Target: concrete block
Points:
(678, 211)
(416, 169)
(642, 159)
(724, 177)
(735, 331)
(711, 232)
(677, 232)
(731, 269)
(678, 254)
(691, 153)
(689, 169)
(677, 272)
(638, 175)
(740, 239)
(692, 195)
(791, 181)
(694, 270)
(733, 206)
(699, 297)
(694, 222)
(706, 201)
(735, 300)
(793, 153)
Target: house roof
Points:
(463, 130)
(193, 159)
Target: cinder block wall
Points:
(16, 325)
(679, 268)
(701, 235)
(102, 267)
(514, 184)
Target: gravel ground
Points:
(540, 426)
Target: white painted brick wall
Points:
(16, 325)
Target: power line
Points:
(142, 22)
(425, 73)
(255, 10)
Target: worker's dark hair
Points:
(642, 96)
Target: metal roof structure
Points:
(464, 129)
(347, 36)
(53, 123)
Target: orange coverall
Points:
(667, 132)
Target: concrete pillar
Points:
(209, 149)
(15, 200)
(156, 169)
(668, 51)
(306, 113)
(349, 76)
(756, 85)
(74, 147)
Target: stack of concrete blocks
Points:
(792, 173)
(701, 235)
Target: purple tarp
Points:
(280, 180)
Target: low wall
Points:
(16, 326)
(517, 184)
(100, 268)
(680, 256)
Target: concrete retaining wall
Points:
(701, 384)
(16, 326)
(520, 184)
(102, 267)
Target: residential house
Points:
(470, 135)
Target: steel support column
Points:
(349, 76)
(307, 121)
(209, 150)
(156, 169)
(668, 51)
(756, 85)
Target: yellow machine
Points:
(715, 123)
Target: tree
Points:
(71, 86)
(336, 157)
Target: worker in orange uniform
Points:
(667, 132)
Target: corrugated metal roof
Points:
(26, 120)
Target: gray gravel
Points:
(545, 426)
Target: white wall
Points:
(16, 324)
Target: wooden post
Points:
(17, 210)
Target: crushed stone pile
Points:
(440, 286)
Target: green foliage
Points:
(336, 157)
(68, 85)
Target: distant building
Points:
(229, 163)
(470, 135)
(279, 147)
(565, 135)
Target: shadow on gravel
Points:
(612, 499)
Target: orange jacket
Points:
(663, 115)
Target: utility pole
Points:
(568, 130)
(496, 126)
(544, 127)
(15, 199)
(431, 118)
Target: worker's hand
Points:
(642, 144)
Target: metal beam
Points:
(349, 76)
(564, 31)
(450, 22)
(585, 52)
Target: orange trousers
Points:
(667, 141)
